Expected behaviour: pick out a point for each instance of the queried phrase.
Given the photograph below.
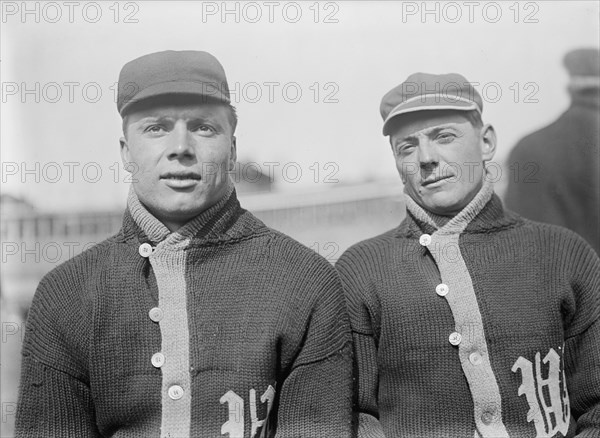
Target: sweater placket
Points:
(168, 259)
(457, 289)
(173, 359)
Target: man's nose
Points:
(181, 142)
(428, 154)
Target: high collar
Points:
(226, 220)
(483, 214)
(585, 98)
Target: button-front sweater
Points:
(222, 328)
(486, 325)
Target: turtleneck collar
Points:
(585, 98)
(456, 224)
(157, 232)
(484, 214)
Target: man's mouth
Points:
(181, 175)
(181, 180)
(437, 180)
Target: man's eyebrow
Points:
(429, 132)
(409, 138)
(206, 118)
(147, 119)
(436, 130)
(192, 120)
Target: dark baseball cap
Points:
(185, 73)
(424, 91)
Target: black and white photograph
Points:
(300, 219)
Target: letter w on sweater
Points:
(556, 411)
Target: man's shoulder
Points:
(81, 267)
(64, 298)
(369, 250)
(376, 244)
(545, 136)
(551, 239)
(295, 255)
(529, 148)
(543, 229)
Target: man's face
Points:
(180, 155)
(440, 156)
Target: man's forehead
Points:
(423, 122)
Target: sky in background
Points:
(306, 77)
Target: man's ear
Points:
(233, 153)
(488, 142)
(125, 156)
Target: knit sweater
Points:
(222, 328)
(485, 325)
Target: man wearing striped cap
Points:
(468, 320)
(195, 319)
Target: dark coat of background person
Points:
(555, 172)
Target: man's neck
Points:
(458, 222)
(158, 230)
(586, 98)
(174, 226)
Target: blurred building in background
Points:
(555, 172)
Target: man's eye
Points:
(205, 129)
(404, 148)
(445, 137)
(155, 129)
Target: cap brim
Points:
(428, 103)
(207, 90)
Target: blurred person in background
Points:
(554, 173)
(195, 319)
(468, 320)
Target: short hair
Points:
(232, 112)
(474, 117)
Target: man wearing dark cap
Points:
(554, 173)
(468, 320)
(195, 320)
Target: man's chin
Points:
(186, 211)
(441, 205)
(178, 212)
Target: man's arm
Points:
(53, 403)
(582, 346)
(363, 318)
(54, 393)
(316, 397)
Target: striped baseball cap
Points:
(424, 91)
